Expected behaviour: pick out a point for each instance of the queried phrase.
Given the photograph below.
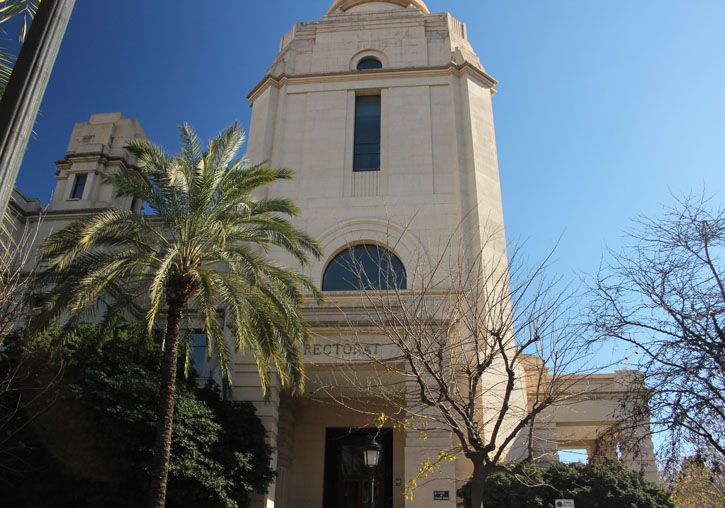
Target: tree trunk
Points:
(177, 301)
(477, 485)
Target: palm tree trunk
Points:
(177, 301)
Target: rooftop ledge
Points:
(452, 67)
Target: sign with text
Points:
(343, 349)
(441, 495)
(564, 503)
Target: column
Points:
(638, 452)
(247, 387)
(285, 453)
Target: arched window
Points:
(364, 267)
(369, 62)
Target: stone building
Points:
(384, 111)
(95, 148)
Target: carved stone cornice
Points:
(371, 75)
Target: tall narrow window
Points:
(78, 186)
(367, 133)
(199, 353)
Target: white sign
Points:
(564, 503)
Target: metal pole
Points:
(371, 472)
(24, 93)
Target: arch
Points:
(366, 54)
(372, 230)
(364, 266)
(369, 62)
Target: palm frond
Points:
(9, 9)
(7, 243)
(108, 229)
(224, 148)
(190, 145)
(25, 8)
(159, 279)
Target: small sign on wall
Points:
(441, 495)
(564, 503)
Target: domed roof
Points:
(349, 4)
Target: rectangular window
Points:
(367, 133)
(78, 186)
(199, 352)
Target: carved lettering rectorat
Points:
(336, 349)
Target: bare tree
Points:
(17, 275)
(458, 349)
(664, 296)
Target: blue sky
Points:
(603, 108)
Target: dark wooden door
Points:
(347, 478)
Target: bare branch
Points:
(663, 295)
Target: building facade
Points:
(384, 112)
(429, 171)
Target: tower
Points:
(433, 156)
(96, 147)
(384, 112)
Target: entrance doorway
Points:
(347, 480)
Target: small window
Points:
(78, 186)
(366, 155)
(133, 204)
(364, 267)
(369, 63)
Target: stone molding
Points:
(362, 77)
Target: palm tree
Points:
(203, 249)
(10, 9)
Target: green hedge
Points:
(606, 485)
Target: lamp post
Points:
(372, 456)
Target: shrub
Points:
(88, 442)
(595, 485)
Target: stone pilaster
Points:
(640, 457)
(418, 450)
(246, 387)
(285, 453)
